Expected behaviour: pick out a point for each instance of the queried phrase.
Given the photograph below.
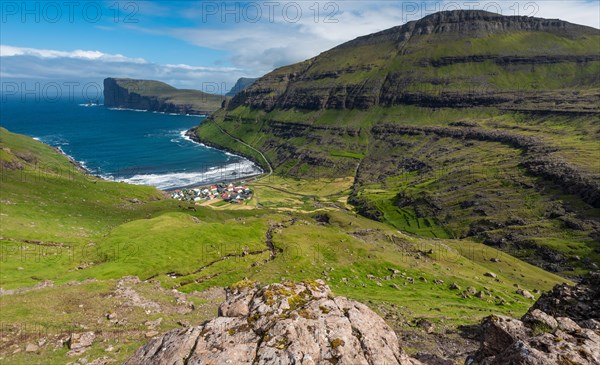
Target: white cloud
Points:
(10, 51)
(280, 39)
(202, 68)
(256, 48)
(46, 64)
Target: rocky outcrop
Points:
(581, 303)
(303, 323)
(562, 327)
(157, 96)
(80, 342)
(290, 323)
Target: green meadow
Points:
(69, 239)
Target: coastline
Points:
(82, 168)
(116, 108)
(79, 165)
(257, 170)
(191, 134)
(207, 183)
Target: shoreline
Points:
(189, 135)
(79, 165)
(223, 181)
(116, 108)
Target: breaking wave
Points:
(214, 174)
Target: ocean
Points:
(136, 147)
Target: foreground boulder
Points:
(290, 323)
(560, 328)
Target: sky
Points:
(208, 45)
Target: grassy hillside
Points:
(70, 243)
(462, 124)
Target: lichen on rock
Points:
(281, 324)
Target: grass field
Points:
(69, 242)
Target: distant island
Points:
(158, 96)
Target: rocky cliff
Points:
(241, 84)
(282, 324)
(158, 96)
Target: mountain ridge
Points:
(393, 66)
(451, 21)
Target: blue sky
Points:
(195, 43)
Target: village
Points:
(234, 194)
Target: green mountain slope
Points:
(460, 58)
(70, 242)
(461, 124)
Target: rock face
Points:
(158, 96)
(281, 324)
(241, 84)
(560, 328)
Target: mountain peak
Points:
(405, 65)
(478, 20)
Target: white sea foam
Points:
(157, 112)
(133, 110)
(83, 165)
(174, 180)
(183, 135)
(36, 138)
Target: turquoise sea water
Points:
(124, 145)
